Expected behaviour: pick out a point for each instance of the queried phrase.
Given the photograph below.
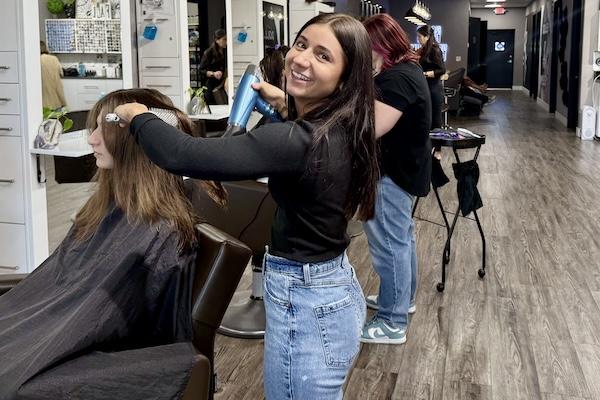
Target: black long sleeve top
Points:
(434, 61)
(310, 184)
(211, 61)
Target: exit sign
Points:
(500, 11)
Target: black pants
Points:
(437, 101)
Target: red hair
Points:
(389, 40)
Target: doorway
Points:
(500, 56)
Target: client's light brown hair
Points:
(138, 187)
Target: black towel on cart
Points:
(438, 176)
(127, 287)
(467, 176)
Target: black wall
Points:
(452, 15)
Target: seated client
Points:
(120, 278)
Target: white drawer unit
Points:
(159, 66)
(10, 125)
(9, 67)
(13, 249)
(8, 24)
(11, 181)
(85, 101)
(9, 98)
(165, 44)
(92, 86)
(112, 85)
(169, 85)
(82, 94)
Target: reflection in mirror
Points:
(255, 26)
(208, 50)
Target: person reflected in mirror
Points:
(213, 67)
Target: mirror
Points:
(255, 25)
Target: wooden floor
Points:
(530, 329)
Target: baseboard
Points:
(519, 88)
(561, 118)
(498, 89)
(543, 104)
(578, 132)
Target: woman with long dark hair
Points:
(213, 65)
(432, 62)
(119, 279)
(322, 169)
(403, 116)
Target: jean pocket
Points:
(276, 288)
(336, 320)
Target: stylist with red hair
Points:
(403, 118)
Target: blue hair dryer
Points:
(246, 100)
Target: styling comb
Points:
(167, 116)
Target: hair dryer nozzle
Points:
(246, 99)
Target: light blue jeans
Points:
(393, 252)
(315, 313)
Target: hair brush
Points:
(167, 116)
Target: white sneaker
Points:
(378, 331)
(374, 305)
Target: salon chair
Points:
(221, 262)
(452, 86)
(247, 217)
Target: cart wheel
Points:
(440, 287)
(481, 273)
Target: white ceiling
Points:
(506, 4)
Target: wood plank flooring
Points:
(529, 330)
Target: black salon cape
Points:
(68, 329)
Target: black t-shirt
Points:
(406, 149)
(434, 61)
(310, 186)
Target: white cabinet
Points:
(160, 66)
(10, 125)
(12, 208)
(301, 12)
(9, 98)
(113, 84)
(169, 85)
(9, 67)
(8, 26)
(23, 222)
(164, 62)
(165, 43)
(13, 243)
(82, 94)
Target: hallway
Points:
(531, 328)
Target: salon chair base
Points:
(245, 320)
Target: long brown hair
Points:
(142, 190)
(350, 108)
(430, 51)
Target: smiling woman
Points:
(322, 169)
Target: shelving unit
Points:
(71, 35)
(196, 52)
